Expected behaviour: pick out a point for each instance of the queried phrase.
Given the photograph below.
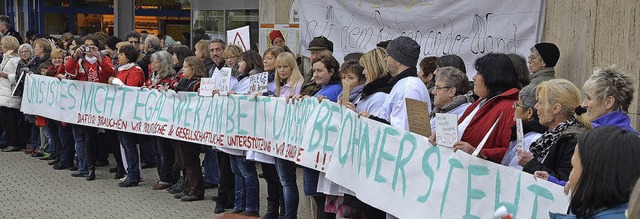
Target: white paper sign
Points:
(519, 134)
(446, 129)
(259, 82)
(225, 80)
(468, 28)
(207, 85)
(240, 37)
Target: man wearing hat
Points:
(542, 59)
(319, 47)
(403, 53)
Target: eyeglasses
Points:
(438, 88)
(516, 105)
(531, 57)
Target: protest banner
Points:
(224, 81)
(394, 170)
(468, 28)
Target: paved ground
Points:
(29, 188)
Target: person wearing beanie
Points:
(276, 38)
(542, 60)
(403, 53)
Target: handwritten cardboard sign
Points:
(418, 116)
(225, 80)
(207, 85)
(259, 82)
(519, 133)
(346, 90)
(446, 129)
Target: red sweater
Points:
(84, 71)
(131, 75)
(498, 142)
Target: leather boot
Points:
(92, 173)
(273, 208)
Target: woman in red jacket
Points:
(87, 64)
(497, 86)
(129, 74)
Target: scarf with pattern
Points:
(540, 148)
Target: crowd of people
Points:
(586, 144)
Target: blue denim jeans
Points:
(210, 164)
(35, 136)
(63, 140)
(164, 159)
(247, 189)
(79, 136)
(310, 180)
(128, 142)
(287, 174)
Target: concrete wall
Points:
(595, 33)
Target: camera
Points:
(85, 48)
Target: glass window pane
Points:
(241, 18)
(209, 22)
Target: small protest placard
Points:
(346, 89)
(418, 116)
(519, 134)
(225, 80)
(259, 82)
(207, 85)
(446, 129)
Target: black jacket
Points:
(12, 32)
(558, 161)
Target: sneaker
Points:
(78, 174)
(48, 156)
(37, 154)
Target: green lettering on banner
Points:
(241, 115)
(370, 153)
(472, 193)
(401, 162)
(31, 88)
(208, 116)
(219, 115)
(342, 157)
(196, 114)
(71, 95)
(157, 111)
(277, 132)
(511, 207)
(179, 105)
(124, 91)
(318, 126)
(51, 95)
(267, 115)
(95, 99)
(255, 115)
(42, 83)
(428, 170)
(148, 112)
(230, 112)
(384, 155)
(539, 192)
(453, 163)
(138, 104)
(110, 99)
(329, 128)
(62, 95)
(86, 98)
(188, 108)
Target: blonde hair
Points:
(203, 47)
(611, 81)
(10, 43)
(565, 93)
(232, 51)
(57, 53)
(286, 58)
(373, 62)
(274, 51)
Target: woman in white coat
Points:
(9, 104)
